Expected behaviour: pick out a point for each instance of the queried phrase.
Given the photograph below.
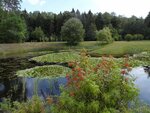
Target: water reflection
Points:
(143, 83)
(23, 88)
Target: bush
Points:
(38, 35)
(12, 29)
(128, 37)
(104, 88)
(115, 34)
(104, 36)
(72, 31)
(138, 37)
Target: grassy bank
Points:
(121, 48)
(118, 48)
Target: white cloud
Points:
(37, 2)
(42, 2)
(123, 7)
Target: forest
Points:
(23, 26)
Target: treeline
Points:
(46, 26)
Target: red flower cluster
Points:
(71, 64)
(105, 65)
(72, 94)
(75, 77)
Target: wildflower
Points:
(126, 65)
(79, 74)
(72, 94)
(75, 79)
(81, 78)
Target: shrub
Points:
(72, 31)
(115, 34)
(38, 35)
(104, 36)
(104, 88)
(128, 37)
(138, 37)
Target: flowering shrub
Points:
(100, 89)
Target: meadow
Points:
(118, 48)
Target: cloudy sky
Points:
(139, 8)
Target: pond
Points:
(27, 87)
(143, 83)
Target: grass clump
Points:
(57, 57)
(44, 71)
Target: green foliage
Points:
(94, 90)
(104, 36)
(44, 71)
(144, 56)
(72, 31)
(13, 29)
(34, 105)
(62, 57)
(90, 33)
(147, 20)
(38, 35)
(138, 37)
(115, 34)
(128, 37)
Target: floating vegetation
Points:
(57, 57)
(44, 71)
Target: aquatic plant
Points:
(57, 57)
(44, 71)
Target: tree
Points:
(147, 20)
(38, 35)
(72, 31)
(134, 26)
(12, 5)
(13, 29)
(104, 36)
(89, 26)
(90, 33)
(99, 21)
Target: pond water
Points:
(143, 83)
(23, 88)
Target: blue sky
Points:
(139, 8)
